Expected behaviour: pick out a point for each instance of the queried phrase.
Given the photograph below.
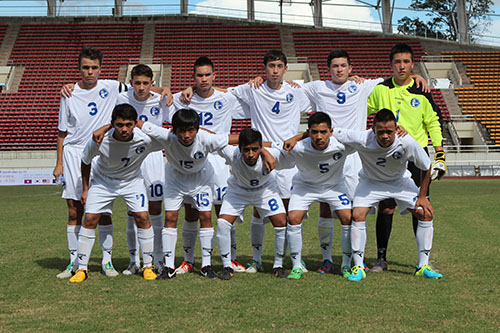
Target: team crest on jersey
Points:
(103, 93)
(415, 102)
(140, 150)
(397, 155)
(337, 156)
(198, 155)
(352, 89)
(289, 97)
(154, 111)
(218, 105)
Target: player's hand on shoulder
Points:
(401, 131)
(357, 79)
(269, 160)
(422, 84)
(186, 95)
(293, 84)
(257, 82)
(67, 90)
(289, 144)
(167, 93)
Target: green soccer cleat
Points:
(357, 274)
(254, 267)
(428, 272)
(109, 270)
(296, 273)
(346, 272)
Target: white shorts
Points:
(220, 177)
(194, 189)
(303, 195)
(103, 192)
(153, 172)
(284, 179)
(370, 193)
(266, 200)
(72, 172)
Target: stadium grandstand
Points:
(37, 56)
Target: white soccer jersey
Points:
(384, 164)
(317, 167)
(186, 159)
(153, 109)
(244, 175)
(346, 104)
(120, 160)
(216, 112)
(87, 110)
(275, 113)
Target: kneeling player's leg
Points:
(325, 231)
(86, 239)
(358, 234)
(106, 241)
(169, 237)
(279, 224)
(156, 217)
(224, 225)
(75, 214)
(345, 216)
(145, 236)
(206, 238)
(294, 236)
(257, 234)
(189, 233)
(132, 240)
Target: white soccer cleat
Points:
(108, 270)
(68, 272)
(132, 269)
(237, 267)
(185, 267)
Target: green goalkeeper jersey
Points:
(414, 110)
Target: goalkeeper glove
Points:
(438, 168)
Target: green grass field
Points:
(33, 250)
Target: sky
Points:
(351, 14)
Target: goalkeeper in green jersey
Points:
(420, 116)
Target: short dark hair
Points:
(185, 118)
(274, 55)
(401, 48)
(339, 53)
(141, 69)
(90, 53)
(124, 111)
(318, 118)
(249, 136)
(383, 116)
(203, 61)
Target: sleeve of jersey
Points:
(167, 111)
(284, 159)
(350, 137)
(239, 109)
(243, 92)
(431, 121)
(160, 134)
(63, 116)
(91, 150)
(374, 100)
(214, 141)
(370, 84)
(227, 153)
(418, 154)
(306, 105)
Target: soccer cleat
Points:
(226, 274)
(357, 274)
(428, 272)
(254, 267)
(279, 272)
(80, 276)
(346, 272)
(237, 267)
(148, 273)
(326, 267)
(296, 273)
(303, 264)
(109, 270)
(208, 272)
(380, 265)
(367, 269)
(132, 269)
(166, 273)
(185, 267)
(68, 272)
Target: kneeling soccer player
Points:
(251, 183)
(384, 175)
(116, 174)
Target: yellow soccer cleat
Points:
(80, 276)
(149, 273)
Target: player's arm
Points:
(158, 133)
(233, 139)
(290, 143)
(259, 81)
(99, 133)
(422, 200)
(268, 159)
(58, 170)
(85, 168)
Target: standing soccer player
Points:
(117, 174)
(419, 115)
(384, 175)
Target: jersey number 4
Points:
(276, 108)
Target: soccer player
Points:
(117, 174)
(419, 115)
(216, 110)
(251, 183)
(384, 175)
(320, 162)
(149, 107)
(190, 179)
(89, 108)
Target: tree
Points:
(442, 21)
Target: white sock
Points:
(257, 233)
(425, 233)
(279, 246)
(146, 241)
(345, 245)
(325, 232)
(224, 241)
(106, 240)
(294, 237)
(72, 234)
(358, 242)
(133, 244)
(189, 233)
(207, 245)
(157, 224)
(169, 240)
(86, 239)
(233, 242)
